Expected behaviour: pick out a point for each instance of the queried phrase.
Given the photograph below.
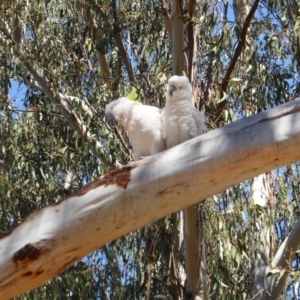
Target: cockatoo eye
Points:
(180, 87)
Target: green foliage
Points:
(38, 149)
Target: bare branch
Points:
(120, 45)
(52, 239)
(68, 102)
(167, 18)
(16, 30)
(168, 24)
(178, 63)
(60, 101)
(203, 265)
(192, 250)
(282, 260)
(86, 11)
(28, 79)
(191, 41)
(261, 193)
(293, 9)
(237, 53)
(151, 255)
(103, 66)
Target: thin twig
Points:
(120, 45)
(237, 53)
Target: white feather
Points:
(142, 123)
(181, 121)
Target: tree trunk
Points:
(177, 40)
(261, 193)
(51, 240)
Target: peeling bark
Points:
(52, 239)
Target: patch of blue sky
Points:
(17, 94)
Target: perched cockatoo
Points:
(142, 123)
(181, 121)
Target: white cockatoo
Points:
(181, 121)
(142, 123)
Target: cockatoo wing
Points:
(145, 131)
(200, 121)
(142, 123)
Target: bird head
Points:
(119, 109)
(114, 110)
(179, 88)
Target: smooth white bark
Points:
(52, 239)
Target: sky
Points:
(17, 93)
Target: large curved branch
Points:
(237, 53)
(52, 239)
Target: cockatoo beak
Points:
(172, 88)
(109, 118)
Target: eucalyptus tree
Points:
(70, 58)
